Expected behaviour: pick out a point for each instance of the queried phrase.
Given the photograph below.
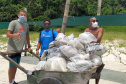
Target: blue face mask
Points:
(22, 19)
(47, 25)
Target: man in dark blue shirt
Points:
(45, 37)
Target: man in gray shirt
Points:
(18, 34)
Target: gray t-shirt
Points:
(16, 44)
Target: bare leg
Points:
(97, 80)
(11, 73)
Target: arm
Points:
(11, 28)
(58, 30)
(86, 30)
(10, 35)
(100, 34)
(28, 41)
(38, 46)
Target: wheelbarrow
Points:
(55, 77)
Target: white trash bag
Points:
(68, 51)
(56, 64)
(96, 49)
(40, 65)
(60, 36)
(53, 52)
(51, 45)
(82, 52)
(70, 37)
(75, 43)
(86, 38)
(85, 65)
(80, 57)
(60, 43)
(44, 55)
(100, 50)
(71, 66)
(97, 60)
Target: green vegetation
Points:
(110, 33)
(3, 39)
(50, 9)
(114, 32)
(34, 36)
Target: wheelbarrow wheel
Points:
(50, 81)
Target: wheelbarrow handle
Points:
(13, 62)
(12, 52)
(18, 66)
(3, 54)
(26, 50)
(36, 55)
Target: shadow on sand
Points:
(23, 82)
(114, 76)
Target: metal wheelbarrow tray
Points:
(55, 77)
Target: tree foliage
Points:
(50, 9)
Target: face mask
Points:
(22, 19)
(94, 24)
(47, 25)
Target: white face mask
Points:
(94, 24)
(22, 19)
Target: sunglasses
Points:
(46, 23)
(95, 21)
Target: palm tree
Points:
(66, 11)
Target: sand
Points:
(114, 71)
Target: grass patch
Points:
(3, 39)
(110, 33)
(34, 36)
(114, 36)
(114, 29)
(3, 31)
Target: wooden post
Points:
(99, 8)
(66, 11)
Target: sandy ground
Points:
(114, 71)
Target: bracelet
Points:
(37, 49)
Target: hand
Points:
(93, 42)
(30, 72)
(29, 50)
(37, 52)
(18, 35)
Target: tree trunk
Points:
(99, 8)
(66, 11)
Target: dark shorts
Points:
(15, 57)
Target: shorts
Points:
(15, 57)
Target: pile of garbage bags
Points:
(67, 53)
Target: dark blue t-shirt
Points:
(46, 38)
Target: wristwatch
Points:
(37, 49)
